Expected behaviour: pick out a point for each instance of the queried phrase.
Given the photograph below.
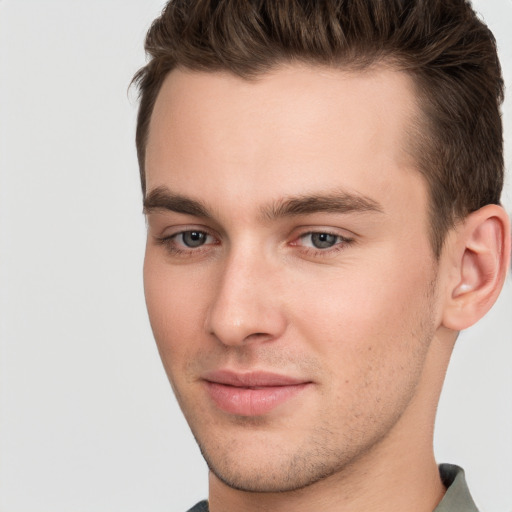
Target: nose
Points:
(246, 306)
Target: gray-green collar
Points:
(457, 497)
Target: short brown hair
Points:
(450, 54)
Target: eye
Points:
(321, 240)
(187, 243)
(192, 239)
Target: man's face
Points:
(289, 276)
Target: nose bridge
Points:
(244, 307)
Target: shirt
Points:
(456, 499)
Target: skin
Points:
(362, 322)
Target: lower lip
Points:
(251, 401)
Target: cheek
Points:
(372, 333)
(375, 307)
(176, 302)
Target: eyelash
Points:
(170, 245)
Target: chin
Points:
(270, 467)
(267, 479)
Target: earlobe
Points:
(480, 256)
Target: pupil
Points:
(193, 238)
(323, 240)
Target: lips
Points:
(251, 394)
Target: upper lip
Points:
(251, 379)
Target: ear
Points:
(478, 257)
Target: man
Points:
(322, 184)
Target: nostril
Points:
(257, 336)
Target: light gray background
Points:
(87, 419)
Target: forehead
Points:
(296, 128)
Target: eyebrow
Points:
(340, 202)
(161, 198)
